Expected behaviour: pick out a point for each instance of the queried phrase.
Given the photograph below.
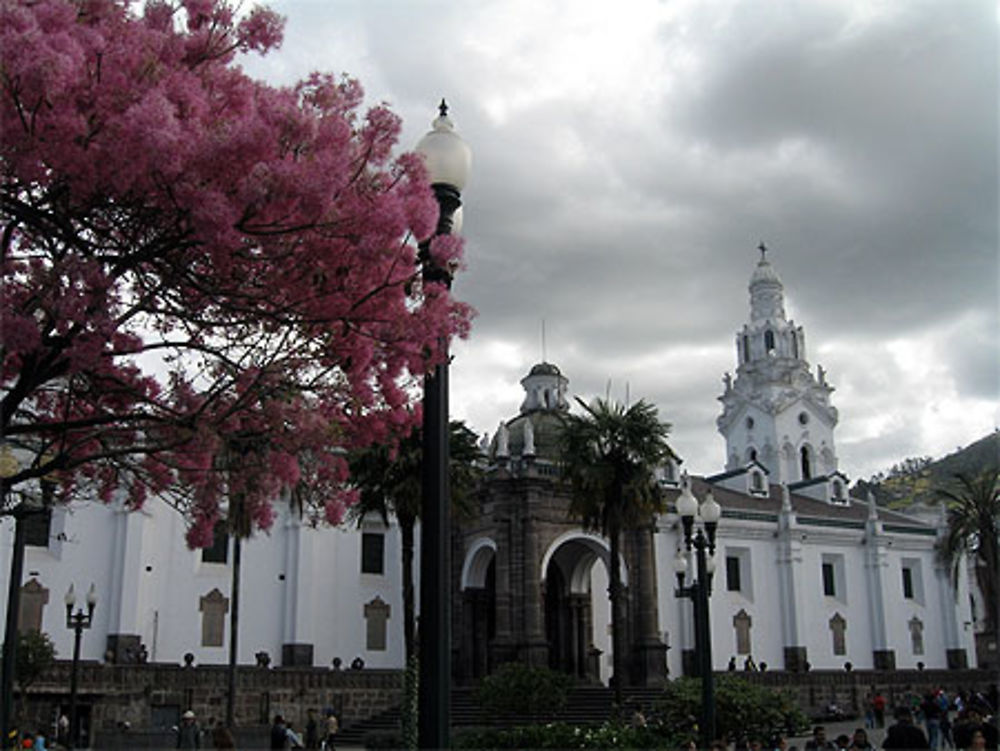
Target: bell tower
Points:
(776, 411)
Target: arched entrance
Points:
(478, 608)
(577, 611)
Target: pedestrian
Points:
(40, 741)
(294, 739)
(869, 712)
(860, 741)
(222, 737)
(188, 733)
(931, 710)
(971, 722)
(332, 728)
(878, 707)
(819, 742)
(62, 730)
(312, 731)
(279, 738)
(904, 734)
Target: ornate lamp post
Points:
(447, 158)
(77, 621)
(702, 541)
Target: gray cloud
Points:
(628, 160)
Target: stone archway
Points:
(576, 608)
(478, 624)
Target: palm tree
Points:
(389, 481)
(610, 455)
(973, 515)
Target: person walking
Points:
(188, 732)
(819, 742)
(878, 708)
(904, 734)
(279, 738)
(332, 728)
(860, 741)
(222, 737)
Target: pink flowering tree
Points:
(210, 285)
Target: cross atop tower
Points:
(763, 250)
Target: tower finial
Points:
(544, 359)
(443, 108)
(762, 247)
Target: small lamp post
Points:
(77, 621)
(702, 541)
(447, 158)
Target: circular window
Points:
(803, 418)
(749, 423)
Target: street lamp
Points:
(77, 621)
(702, 540)
(447, 158)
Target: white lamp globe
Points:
(446, 155)
(687, 504)
(711, 511)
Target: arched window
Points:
(805, 462)
(769, 340)
(752, 456)
(746, 348)
(756, 482)
(838, 490)
(795, 345)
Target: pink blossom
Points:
(233, 297)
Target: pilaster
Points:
(124, 599)
(789, 559)
(876, 572)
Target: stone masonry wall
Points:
(151, 695)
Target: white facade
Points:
(299, 586)
(803, 572)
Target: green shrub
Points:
(559, 735)
(742, 709)
(517, 691)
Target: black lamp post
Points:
(447, 158)
(9, 467)
(702, 540)
(77, 621)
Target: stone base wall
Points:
(817, 689)
(152, 696)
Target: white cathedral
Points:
(806, 576)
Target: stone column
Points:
(650, 651)
(535, 650)
(502, 647)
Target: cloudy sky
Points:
(628, 158)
